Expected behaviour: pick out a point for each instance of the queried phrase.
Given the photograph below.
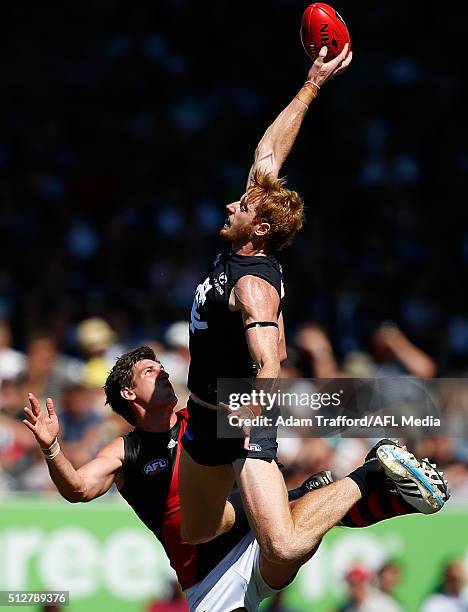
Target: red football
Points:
(323, 26)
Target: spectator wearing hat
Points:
(363, 596)
(97, 342)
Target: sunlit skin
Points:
(246, 236)
(152, 395)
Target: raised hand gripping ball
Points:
(323, 26)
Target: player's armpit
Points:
(99, 474)
(258, 302)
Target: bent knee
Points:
(280, 551)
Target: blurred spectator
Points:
(359, 364)
(452, 595)
(363, 597)
(175, 602)
(22, 464)
(176, 358)
(32, 474)
(388, 578)
(97, 342)
(11, 361)
(396, 355)
(47, 372)
(81, 432)
(313, 341)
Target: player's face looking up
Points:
(151, 386)
(240, 226)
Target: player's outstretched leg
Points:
(287, 534)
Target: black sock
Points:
(368, 477)
(380, 505)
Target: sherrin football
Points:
(323, 26)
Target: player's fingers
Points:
(32, 417)
(345, 64)
(347, 61)
(35, 404)
(247, 443)
(339, 58)
(28, 425)
(50, 406)
(321, 56)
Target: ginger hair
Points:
(282, 208)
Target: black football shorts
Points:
(202, 443)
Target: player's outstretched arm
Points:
(90, 480)
(277, 142)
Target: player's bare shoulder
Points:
(114, 452)
(255, 295)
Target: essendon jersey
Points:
(150, 469)
(218, 346)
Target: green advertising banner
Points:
(107, 559)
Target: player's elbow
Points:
(78, 498)
(75, 497)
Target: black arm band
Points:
(261, 324)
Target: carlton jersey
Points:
(218, 346)
(150, 469)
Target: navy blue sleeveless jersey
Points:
(218, 346)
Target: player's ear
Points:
(127, 393)
(263, 229)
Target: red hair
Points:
(282, 208)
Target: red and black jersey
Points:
(150, 468)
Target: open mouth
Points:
(227, 222)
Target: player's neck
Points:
(248, 250)
(158, 421)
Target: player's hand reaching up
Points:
(44, 425)
(322, 72)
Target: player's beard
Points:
(239, 235)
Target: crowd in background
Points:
(87, 424)
(125, 128)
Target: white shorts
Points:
(236, 582)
